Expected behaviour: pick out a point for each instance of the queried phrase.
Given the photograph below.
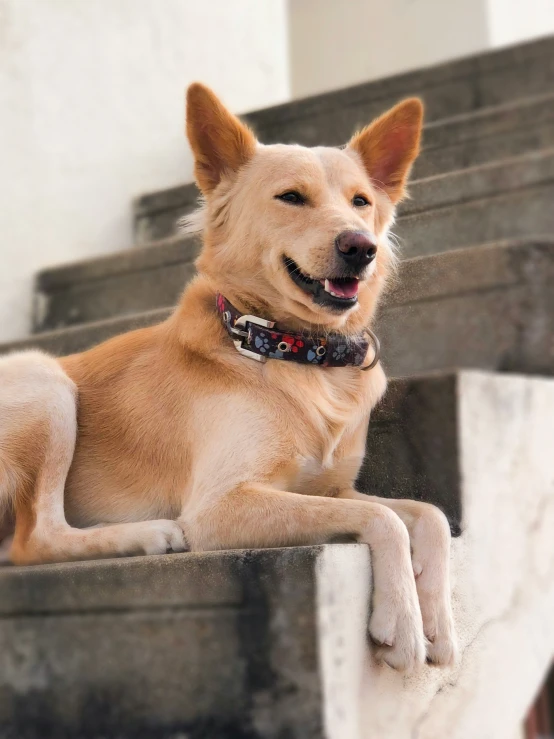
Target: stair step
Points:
(489, 306)
(160, 646)
(272, 643)
(121, 284)
(508, 199)
(469, 139)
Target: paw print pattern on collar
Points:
(260, 339)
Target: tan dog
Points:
(170, 429)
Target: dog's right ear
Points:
(221, 144)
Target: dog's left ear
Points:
(221, 144)
(389, 146)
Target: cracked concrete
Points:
(503, 567)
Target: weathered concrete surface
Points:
(503, 568)
(273, 643)
(509, 199)
(412, 446)
(213, 645)
(119, 285)
(489, 307)
(78, 338)
(466, 140)
(487, 135)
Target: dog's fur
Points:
(168, 438)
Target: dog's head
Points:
(299, 234)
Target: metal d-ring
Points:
(376, 349)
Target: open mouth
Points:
(339, 293)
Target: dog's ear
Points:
(389, 146)
(221, 144)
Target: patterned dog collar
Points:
(259, 339)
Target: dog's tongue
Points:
(343, 288)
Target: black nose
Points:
(356, 248)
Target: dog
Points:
(241, 420)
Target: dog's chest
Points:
(330, 416)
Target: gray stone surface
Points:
(119, 285)
(487, 135)
(78, 338)
(490, 307)
(508, 199)
(412, 445)
(513, 175)
(211, 645)
(468, 139)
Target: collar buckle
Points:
(245, 335)
(376, 349)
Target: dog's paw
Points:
(161, 537)
(430, 561)
(442, 647)
(438, 627)
(396, 630)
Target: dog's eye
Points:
(359, 201)
(292, 197)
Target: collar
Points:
(259, 339)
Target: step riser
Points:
(448, 146)
(224, 633)
(482, 150)
(487, 307)
(513, 216)
(117, 296)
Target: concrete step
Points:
(465, 140)
(504, 200)
(509, 199)
(116, 285)
(489, 306)
(267, 644)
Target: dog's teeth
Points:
(328, 286)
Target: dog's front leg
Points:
(257, 515)
(430, 544)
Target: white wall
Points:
(91, 114)
(335, 43)
(514, 21)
